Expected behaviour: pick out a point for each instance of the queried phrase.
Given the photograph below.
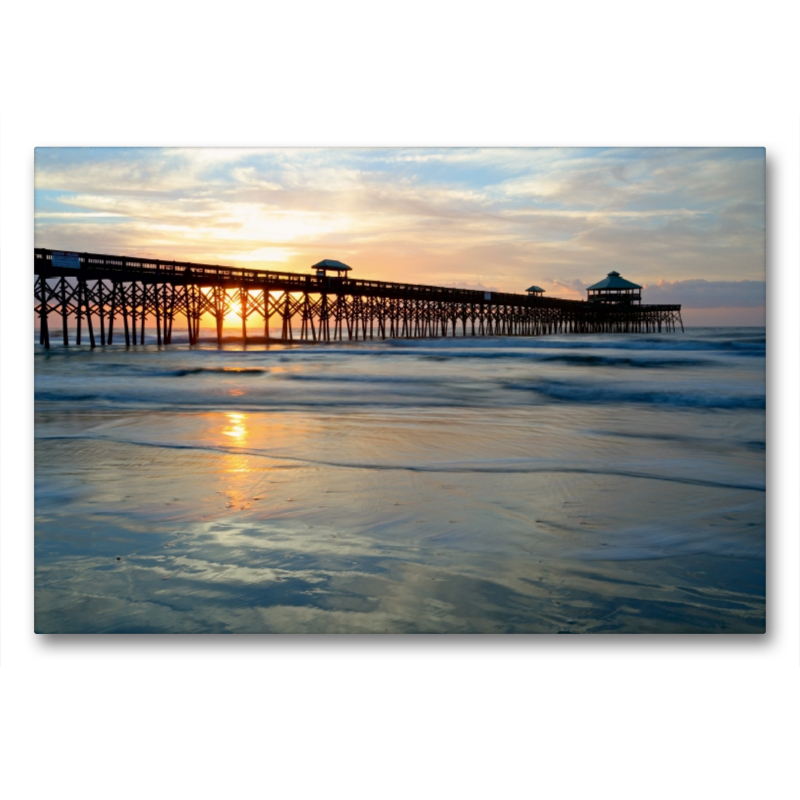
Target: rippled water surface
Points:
(553, 484)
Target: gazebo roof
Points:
(615, 281)
(329, 263)
(534, 289)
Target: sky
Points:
(687, 224)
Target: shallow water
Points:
(553, 484)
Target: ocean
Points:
(556, 484)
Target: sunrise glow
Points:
(688, 224)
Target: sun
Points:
(233, 315)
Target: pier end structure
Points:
(614, 290)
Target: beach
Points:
(554, 484)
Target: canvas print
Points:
(386, 390)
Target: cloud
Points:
(700, 293)
(502, 217)
(479, 287)
(570, 288)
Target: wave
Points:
(499, 347)
(148, 371)
(747, 344)
(393, 391)
(519, 466)
(399, 373)
(597, 394)
(215, 370)
(569, 359)
(757, 445)
(621, 361)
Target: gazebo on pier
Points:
(330, 265)
(615, 290)
(535, 291)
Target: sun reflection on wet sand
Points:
(236, 467)
(236, 475)
(236, 428)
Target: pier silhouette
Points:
(116, 295)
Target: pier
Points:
(114, 296)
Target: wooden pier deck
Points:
(114, 296)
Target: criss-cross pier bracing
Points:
(114, 296)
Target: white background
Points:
(635, 717)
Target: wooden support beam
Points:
(84, 289)
(111, 311)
